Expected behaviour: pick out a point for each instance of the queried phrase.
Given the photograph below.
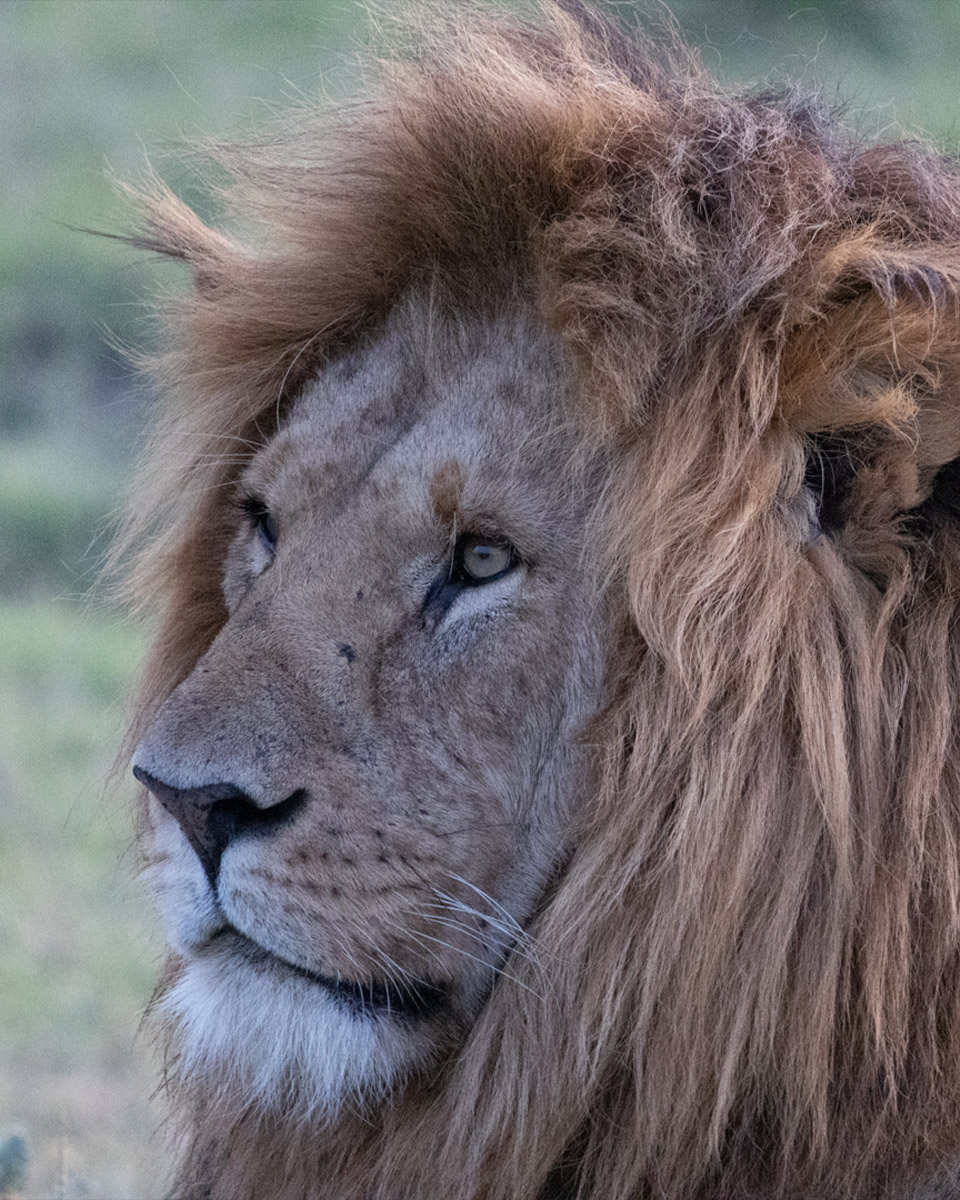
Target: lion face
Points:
(363, 787)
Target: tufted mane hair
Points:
(748, 976)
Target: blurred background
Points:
(89, 88)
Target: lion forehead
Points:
(444, 417)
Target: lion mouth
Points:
(413, 1000)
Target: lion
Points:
(550, 740)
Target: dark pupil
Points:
(267, 529)
(261, 520)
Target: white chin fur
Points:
(284, 1043)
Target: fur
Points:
(753, 951)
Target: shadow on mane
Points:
(747, 980)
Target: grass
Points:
(77, 955)
(56, 500)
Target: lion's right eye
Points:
(262, 521)
(477, 561)
(482, 559)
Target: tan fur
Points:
(746, 979)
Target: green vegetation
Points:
(76, 954)
(87, 84)
(889, 64)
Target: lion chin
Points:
(550, 742)
(287, 1041)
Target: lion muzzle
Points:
(215, 814)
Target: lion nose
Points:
(215, 814)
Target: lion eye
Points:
(479, 559)
(262, 521)
(267, 531)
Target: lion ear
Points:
(870, 381)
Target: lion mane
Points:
(747, 979)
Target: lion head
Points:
(372, 769)
(550, 742)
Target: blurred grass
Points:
(889, 64)
(56, 509)
(86, 85)
(76, 955)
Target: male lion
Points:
(552, 721)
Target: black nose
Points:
(215, 814)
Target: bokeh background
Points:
(89, 88)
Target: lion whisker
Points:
(459, 927)
(505, 913)
(511, 944)
(413, 936)
(497, 970)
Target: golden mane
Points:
(752, 959)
